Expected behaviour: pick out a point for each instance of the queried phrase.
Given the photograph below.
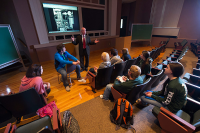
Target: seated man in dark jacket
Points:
(125, 84)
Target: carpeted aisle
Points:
(93, 117)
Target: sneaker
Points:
(138, 101)
(82, 80)
(67, 88)
(142, 104)
(101, 96)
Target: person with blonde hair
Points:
(124, 84)
(106, 63)
(125, 54)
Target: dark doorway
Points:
(123, 26)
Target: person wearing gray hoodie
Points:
(106, 63)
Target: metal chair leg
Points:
(70, 80)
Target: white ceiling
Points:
(128, 1)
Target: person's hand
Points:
(96, 41)
(148, 94)
(72, 38)
(78, 61)
(75, 63)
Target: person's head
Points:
(113, 52)
(125, 51)
(144, 55)
(174, 69)
(83, 31)
(105, 56)
(134, 71)
(61, 48)
(34, 70)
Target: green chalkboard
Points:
(8, 49)
(141, 32)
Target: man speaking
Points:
(84, 50)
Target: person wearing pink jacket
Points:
(33, 79)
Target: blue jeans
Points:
(107, 91)
(153, 102)
(63, 72)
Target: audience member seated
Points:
(174, 92)
(125, 54)
(33, 79)
(114, 57)
(145, 63)
(124, 84)
(61, 59)
(106, 63)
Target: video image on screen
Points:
(61, 18)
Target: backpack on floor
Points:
(122, 113)
(69, 123)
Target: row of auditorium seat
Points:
(108, 75)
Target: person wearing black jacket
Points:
(84, 50)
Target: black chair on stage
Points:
(117, 71)
(22, 103)
(70, 69)
(101, 79)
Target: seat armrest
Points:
(171, 122)
(91, 74)
(57, 123)
(116, 94)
